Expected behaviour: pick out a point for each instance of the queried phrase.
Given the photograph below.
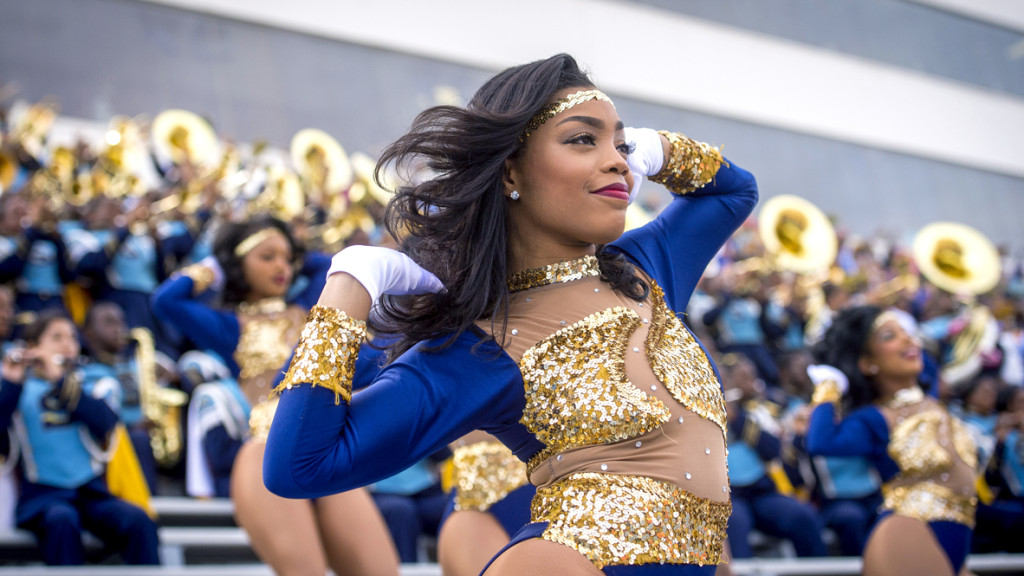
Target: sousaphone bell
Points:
(797, 235)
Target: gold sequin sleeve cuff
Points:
(690, 164)
(326, 354)
(202, 277)
(826, 392)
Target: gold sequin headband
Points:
(246, 246)
(561, 105)
(882, 319)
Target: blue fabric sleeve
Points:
(677, 246)
(863, 433)
(314, 267)
(97, 416)
(10, 393)
(414, 407)
(207, 328)
(768, 446)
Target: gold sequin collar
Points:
(264, 306)
(906, 397)
(566, 271)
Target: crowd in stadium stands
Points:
(83, 237)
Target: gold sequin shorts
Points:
(930, 502)
(621, 520)
(484, 473)
(260, 418)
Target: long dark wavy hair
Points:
(230, 235)
(456, 223)
(843, 344)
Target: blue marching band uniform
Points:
(64, 433)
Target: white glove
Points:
(821, 373)
(384, 271)
(647, 158)
(213, 264)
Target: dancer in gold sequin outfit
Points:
(871, 367)
(255, 332)
(527, 313)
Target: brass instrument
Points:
(183, 136)
(960, 260)
(8, 170)
(797, 235)
(160, 406)
(321, 163)
(349, 212)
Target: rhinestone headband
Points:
(561, 105)
(246, 246)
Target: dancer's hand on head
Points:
(384, 271)
(647, 158)
(822, 373)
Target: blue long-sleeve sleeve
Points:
(97, 416)
(677, 246)
(314, 267)
(10, 393)
(209, 329)
(863, 433)
(414, 407)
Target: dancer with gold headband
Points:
(527, 313)
(870, 370)
(254, 333)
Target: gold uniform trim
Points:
(565, 271)
(622, 520)
(260, 419)
(261, 348)
(690, 164)
(326, 354)
(827, 392)
(577, 393)
(929, 502)
(201, 275)
(681, 365)
(915, 443)
(484, 473)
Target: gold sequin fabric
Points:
(484, 473)
(577, 392)
(260, 418)
(916, 443)
(623, 520)
(262, 346)
(679, 362)
(561, 105)
(826, 392)
(202, 276)
(690, 164)
(566, 271)
(928, 502)
(326, 354)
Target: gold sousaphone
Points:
(797, 235)
(180, 134)
(321, 161)
(964, 262)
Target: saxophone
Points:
(161, 406)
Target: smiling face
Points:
(268, 268)
(891, 353)
(573, 184)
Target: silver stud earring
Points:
(514, 195)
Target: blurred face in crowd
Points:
(15, 209)
(56, 349)
(742, 375)
(982, 399)
(6, 312)
(102, 213)
(268, 268)
(107, 330)
(573, 181)
(891, 352)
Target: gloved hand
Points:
(821, 373)
(384, 271)
(647, 158)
